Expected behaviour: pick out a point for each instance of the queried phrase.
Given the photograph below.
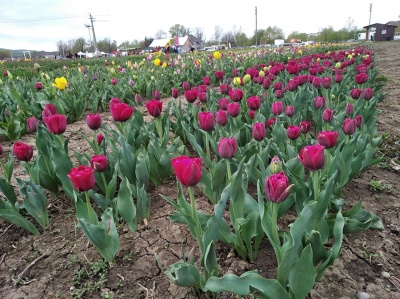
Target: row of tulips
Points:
(298, 147)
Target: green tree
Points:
(271, 34)
(106, 45)
(178, 30)
(79, 45)
(5, 54)
(297, 36)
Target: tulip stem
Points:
(159, 127)
(228, 169)
(198, 234)
(207, 147)
(103, 178)
(275, 235)
(95, 145)
(315, 180)
(89, 208)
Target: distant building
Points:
(383, 32)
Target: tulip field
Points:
(236, 174)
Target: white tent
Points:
(80, 53)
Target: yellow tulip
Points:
(246, 78)
(60, 83)
(164, 65)
(236, 81)
(217, 55)
(157, 62)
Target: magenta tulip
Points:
(305, 127)
(312, 157)
(270, 122)
(99, 138)
(223, 103)
(277, 108)
(154, 107)
(236, 95)
(328, 138)
(82, 178)
(326, 82)
(121, 112)
(191, 95)
(156, 94)
(174, 93)
(113, 81)
(206, 121)
(349, 109)
(31, 124)
(258, 131)
(187, 170)
(227, 147)
(38, 85)
(253, 102)
(99, 163)
(206, 80)
(367, 93)
(349, 126)
(202, 97)
(56, 123)
(289, 111)
(327, 115)
(361, 78)
(93, 121)
(293, 132)
(233, 109)
(358, 119)
(219, 75)
(319, 102)
(277, 187)
(186, 86)
(22, 151)
(221, 117)
(225, 88)
(355, 93)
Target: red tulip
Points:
(56, 123)
(187, 170)
(293, 132)
(51, 108)
(174, 93)
(253, 102)
(338, 78)
(206, 121)
(191, 95)
(277, 187)
(121, 112)
(328, 138)
(221, 117)
(326, 82)
(312, 157)
(99, 163)
(349, 126)
(82, 178)
(258, 131)
(202, 88)
(22, 151)
(227, 147)
(113, 81)
(252, 114)
(277, 108)
(93, 121)
(154, 107)
(114, 101)
(327, 115)
(32, 123)
(266, 83)
(233, 109)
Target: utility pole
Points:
(94, 35)
(90, 37)
(256, 26)
(370, 11)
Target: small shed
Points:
(383, 32)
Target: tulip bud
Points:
(223, 103)
(319, 102)
(358, 120)
(219, 75)
(38, 85)
(56, 123)
(99, 138)
(349, 109)
(174, 92)
(253, 102)
(138, 99)
(225, 88)
(202, 97)
(154, 107)
(236, 95)
(252, 114)
(361, 78)
(156, 95)
(32, 123)
(355, 93)
(191, 95)
(305, 127)
(277, 188)
(326, 82)
(206, 80)
(113, 81)
(276, 165)
(227, 147)
(270, 122)
(186, 86)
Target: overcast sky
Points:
(38, 25)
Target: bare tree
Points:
(199, 33)
(178, 30)
(61, 47)
(161, 34)
(79, 45)
(217, 32)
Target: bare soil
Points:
(67, 266)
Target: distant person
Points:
(372, 38)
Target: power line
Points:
(36, 19)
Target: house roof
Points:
(375, 24)
(164, 41)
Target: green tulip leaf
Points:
(125, 204)
(184, 275)
(103, 236)
(302, 275)
(16, 218)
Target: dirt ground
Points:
(67, 266)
